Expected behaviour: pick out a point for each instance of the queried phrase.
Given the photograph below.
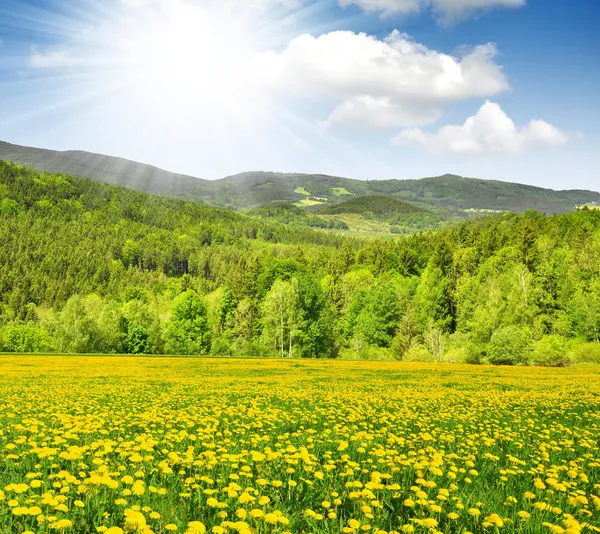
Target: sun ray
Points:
(167, 72)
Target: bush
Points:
(455, 355)
(25, 337)
(551, 351)
(377, 354)
(474, 353)
(417, 353)
(509, 346)
(135, 339)
(585, 353)
(221, 347)
(249, 349)
(188, 331)
(365, 352)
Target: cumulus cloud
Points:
(50, 59)
(384, 83)
(490, 130)
(387, 7)
(381, 112)
(447, 11)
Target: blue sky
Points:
(499, 89)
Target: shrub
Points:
(188, 331)
(417, 353)
(509, 346)
(221, 347)
(551, 351)
(377, 354)
(455, 355)
(474, 353)
(136, 339)
(250, 349)
(25, 337)
(585, 353)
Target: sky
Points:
(370, 89)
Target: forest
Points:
(87, 267)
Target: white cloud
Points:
(447, 11)
(50, 59)
(383, 83)
(380, 112)
(490, 130)
(453, 11)
(387, 7)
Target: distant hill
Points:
(448, 194)
(291, 215)
(376, 205)
(402, 217)
(108, 169)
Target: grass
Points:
(486, 211)
(194, 445)
(309, 202)
(361, 227)
(340, 191)
(301, 191)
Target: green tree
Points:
(136, 339)
(147, 325)
(9, 207)
(373, 315)
(406, 336)
(316, 337)
(583, 312)
(226, 309)
(188, 330)
(243, 323)
(282, 315)
(551, 351)
(88, 325)
(433, 300)
(25, 337)
(509, 345)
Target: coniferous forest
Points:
(87, 267)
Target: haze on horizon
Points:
(497, 89)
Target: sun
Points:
(181, 52)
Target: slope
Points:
(448, 194)
(108, 169)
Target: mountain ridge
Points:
(449, 194)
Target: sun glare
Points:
(183, 52)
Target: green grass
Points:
(340, 191)
(310, 202)
(301, 191)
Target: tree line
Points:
(87, 267)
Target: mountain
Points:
(377, 205)
(446, 194)
(108, 169)
(291, 215)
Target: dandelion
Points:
(195, 527)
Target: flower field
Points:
(157, 445)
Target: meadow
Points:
(158, 445)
